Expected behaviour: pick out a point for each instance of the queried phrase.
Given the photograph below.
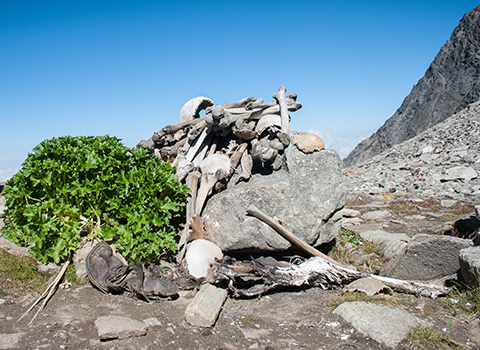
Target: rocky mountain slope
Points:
(442, 161)
(450, 84)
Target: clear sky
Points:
(125, 68)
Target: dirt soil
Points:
(283, 320)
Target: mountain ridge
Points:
(451, 83)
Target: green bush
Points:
(75, 186)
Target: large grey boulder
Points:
(427, 257)
(470, 265)
(304, 198)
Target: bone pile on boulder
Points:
(208, 151)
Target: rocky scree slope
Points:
(450, 84)
(441, 161)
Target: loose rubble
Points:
(441, 161)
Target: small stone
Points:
(152, 321)
(377, 215)
(448, 203)
(203, 310)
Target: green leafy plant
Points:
(71, 187)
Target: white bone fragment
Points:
(212, 168)
(192, 108)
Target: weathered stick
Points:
(47, 294)
(254, 211)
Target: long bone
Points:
(247, 165)
(192, 152)
(280, 97)
(192, 183)
(240, 103)
(276, 108)
(213, 168)
(171, 129)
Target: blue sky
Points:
(125, 68)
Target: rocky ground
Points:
(424, 185)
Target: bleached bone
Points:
(291, 98)
(263, 106)
(276, 109)
(183, 171)
(171, 129)
(172, 151)
(240, 103)
(192, 108)
(252, 105)
(197, 129)
(217, 112)
(268, 121)
(201, 254)
(308, 143)
(203, 151)
(247, 165)
(262, 151)
(192, 183)
(192, 152)
(244, 134)
(280, 97)
(236, 156)
(213, 168)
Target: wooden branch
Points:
(254, 211)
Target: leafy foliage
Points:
(72, 186)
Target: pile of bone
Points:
(209, 150)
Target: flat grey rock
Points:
(12, 248)
(384, 324)
(377, 215)
(10, 341)
(427, 257)
(470, 265)
(389, 244)
(119, 327)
